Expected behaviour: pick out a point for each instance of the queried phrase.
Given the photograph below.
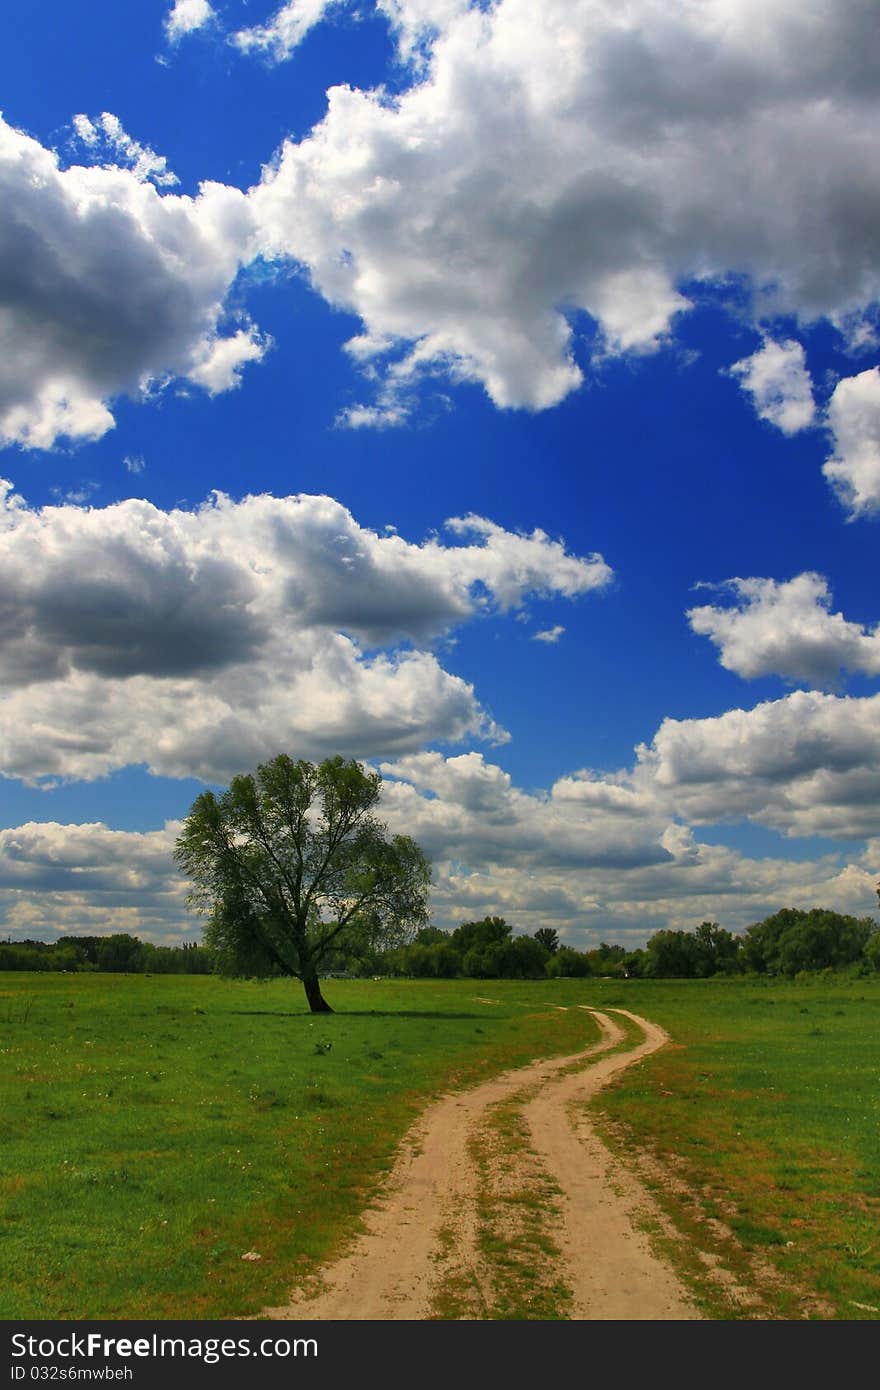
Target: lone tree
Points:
(291, 867)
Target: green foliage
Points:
(548, 938)
(710, 950)
(489, 931)
(483, 950)
(116, 953)
(568, 963)
(119, 952)
(294, 872)
(792, 940)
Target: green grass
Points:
(154, 1130)
(766, 1110)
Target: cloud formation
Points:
(854, 418)
(599, 856)
(186, 16)
(93, 879)
(788, 630)
(777, 379)
(546, 163)
(90, 878)
(578, 157)
(284, 31)
(109, 285)
(475, 814)
(107, 135)
(807, 764)
(200, 642)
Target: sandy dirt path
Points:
(425, 1226)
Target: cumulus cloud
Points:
(628, 905)
(474, 813)
(777, 379)
(186, 16)
(202, 641)
(598, 856)
(580, 157)
(110, 285)
(90, 878)
(285, 30)
(549, 634)
(854, 419)
(787, 629)
(217, 362)
(416, 23)
(546, 162)
(807, 764)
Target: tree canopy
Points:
(291, 866)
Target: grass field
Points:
(156, 1129)
(767, 1111)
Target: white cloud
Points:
(199, 642)
(217, 362)
(106, 133)
(285, 30)
(417, 23)
(807, 764)
(787, 629)
(854, 419)
(582, 156)
(549, 635)
(547, 162)
(373, 417)
(628, 905)
(111, 286)
(474, 814)
(90, 878)
(597, 856)
(777, 379)
(323, 697)
(186, 16)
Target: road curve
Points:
(428, 1212)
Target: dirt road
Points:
(423, 1238)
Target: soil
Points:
(424, 1231)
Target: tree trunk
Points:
(312, 986)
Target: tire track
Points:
(425, 1228)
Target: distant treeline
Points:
(119, 953)
(789, 942)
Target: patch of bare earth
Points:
(503, 1202)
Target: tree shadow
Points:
(351, 1013)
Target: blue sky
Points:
(285, 289)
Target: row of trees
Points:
(488, 949)
(117, 953)
(786, 943)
